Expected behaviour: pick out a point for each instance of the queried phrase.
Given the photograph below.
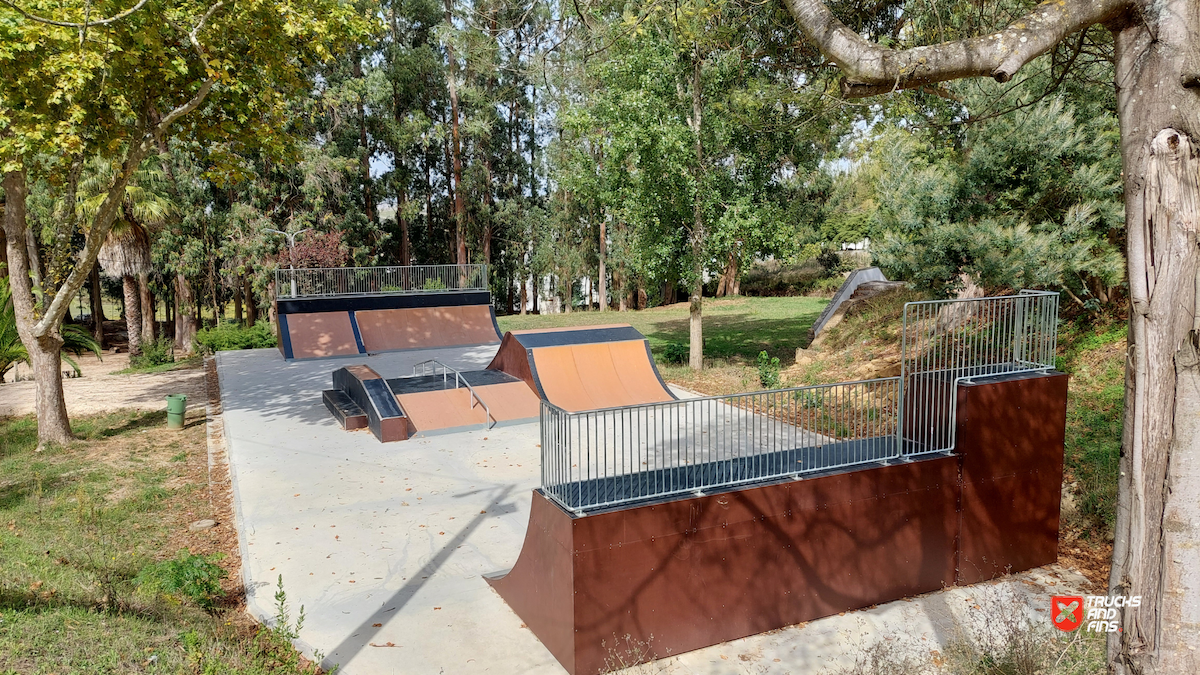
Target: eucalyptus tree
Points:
(692, 120)
(1157, 62)
(113, 80)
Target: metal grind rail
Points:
(605, 458)
(399, 280)
(458, 379)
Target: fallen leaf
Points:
(377, 625)
(437, 607)
(35, 585)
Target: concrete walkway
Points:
(386, 546)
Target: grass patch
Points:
(188, 363)
(92, 577)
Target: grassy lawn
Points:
(735, 331)
(99, 572)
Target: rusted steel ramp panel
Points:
(682, 574)
(584, 368)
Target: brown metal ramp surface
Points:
(321, 334)
(424, 327)
(584, 368)
(445, 409)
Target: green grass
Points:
(182, 364)
(735, 329)
(1094, 356)
(77, 526)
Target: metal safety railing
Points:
(604, 458)
(430, 366)
(343, 281)
(599, 458)
(945, 342)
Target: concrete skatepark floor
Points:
(386, 545)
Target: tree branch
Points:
(870, 69)
(87, 23)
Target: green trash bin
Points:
(176, 405)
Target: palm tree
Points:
(125, 254)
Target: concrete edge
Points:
(263, 615)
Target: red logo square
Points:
(1066, 611)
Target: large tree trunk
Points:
(133, 314)
(696, 301)
(460, 235)
(97, 306)
(237, 300)
(45, 350)
(185, 315)
(1156, 553)
(602, 273)
(146, 304)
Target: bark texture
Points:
(133, 313)
(1157, 540)
(185, 315)
(44, 347)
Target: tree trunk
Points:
(146, 305)
(696, 301)
(185, 317)
(237, 300)
(405, 255)
(133, 314)
(250, 300)
(97, 305)
(460, 235)
(729, 278)
(602, 273)
(272, 309)
(642, 299)
(45, 350)
(364, 152)
(524, 294)
(1156, 552)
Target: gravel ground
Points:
(99, 390)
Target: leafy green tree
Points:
(95, 80)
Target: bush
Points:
(677, 352)
(434, 285)
(768, 371)
(195, 577)
(831, 261)
(154, 353)
(229, 336)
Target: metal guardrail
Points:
(946, 342)
(350, 281)
(599, 458)
(458, 380)
(603, 458)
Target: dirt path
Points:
(99, 390)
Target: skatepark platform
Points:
(321, 327)
(686, 572)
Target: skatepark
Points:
(419, 480)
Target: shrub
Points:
(768, 371)
(154, 353)
(229, 336)
(434, 285)
(831, 261)
(677, 352)
(195, 577)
